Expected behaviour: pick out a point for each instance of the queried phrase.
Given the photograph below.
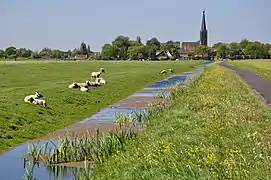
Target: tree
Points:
(174, 52)
(222, 50)
(233, 49)
(46, 52)
(138, 40)
(137, 52)
(69, 53)
(168, 45)
(35, 55)
(23, 52)
(122, 43)
(10, 51)
(154, 43)
(75, 52)
(57, 54)
(110, 52)
(151, 50)
(123, 53)
(203, 51)
(83, 49)
(243, 43)
(216, 45)
(257, 50)
(2, 53)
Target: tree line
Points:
(123, 48)
(243, 49)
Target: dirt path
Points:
(257, 83)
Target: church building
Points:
(189, 47)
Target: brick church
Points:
(188, 47)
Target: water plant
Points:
(160, 95)
(29, 172)
(141, 117)
(93, 148)
(125, 120)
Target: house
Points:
(163, 55)
(189, 46)
(97, 53)
(183, 54)
(46, 56)
(64, 55)
(239, 55)
(80, 57)
(186, 48)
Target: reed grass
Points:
(29, 172)
(94, 148)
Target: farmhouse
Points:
(80, 57)
(46, 56)
(163, 55)
(64, 55)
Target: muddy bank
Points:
(81, 129)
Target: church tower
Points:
(203, 31)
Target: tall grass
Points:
(216, 129)
(29, 166)
(94, 148)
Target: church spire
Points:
(203, 23)
(203, 31)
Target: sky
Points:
(64, 24)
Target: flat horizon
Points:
(65, 24)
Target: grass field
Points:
(260, 67)
(218, 130)
(20, 121)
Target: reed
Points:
(29, 172)
(94, 148)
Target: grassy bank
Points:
(260, 67)
(217, 130)
(20, 121)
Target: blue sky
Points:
(64, 24)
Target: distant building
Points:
(163, 55)
(80, 57)
(187, 48)
(46, 56)
(203, 31)
(239, 55)
(64, 55)
(97, 53)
